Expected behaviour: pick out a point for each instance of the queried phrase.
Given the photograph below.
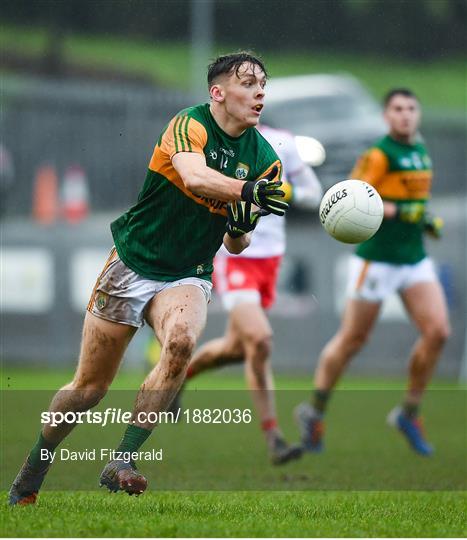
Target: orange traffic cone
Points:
(45, 195)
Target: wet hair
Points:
(231, 63)
(398, 92)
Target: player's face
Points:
(402, 114)
(244, 94)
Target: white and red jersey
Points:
(268, 238)
(252, 275)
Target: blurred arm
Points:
(371, 167)
(301, 183)
(390, 209)
(307, 189)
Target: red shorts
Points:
(239, 279)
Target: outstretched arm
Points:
(204, 181)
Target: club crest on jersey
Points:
(241, 172)
(101, 300)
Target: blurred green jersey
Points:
(402, 174)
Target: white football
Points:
(351, 211)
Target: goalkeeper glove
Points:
(265, 194)
(433, 225)
(240, 218)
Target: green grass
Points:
(216, 481)
(253, 514)
(439, 83)
(46, 378)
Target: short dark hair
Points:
(398, 92)
(231, 63)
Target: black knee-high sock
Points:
(320, 400)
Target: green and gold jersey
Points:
(402, 174)
(172, 233)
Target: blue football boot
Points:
(412, 429)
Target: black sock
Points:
(320, 400)
(411, 409)
(39, 459)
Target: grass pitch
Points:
(216, 481)
(237, 514)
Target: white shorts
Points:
(374, 281)
(121, 295)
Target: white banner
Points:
(27, 282)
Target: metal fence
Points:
(107, 130)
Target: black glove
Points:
(433, 225)
(264, 193)
(241, 219)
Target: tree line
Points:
(414, 29)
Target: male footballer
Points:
(393, 260)
(209, 166)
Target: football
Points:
(351, 211)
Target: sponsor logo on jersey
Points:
(241, 171)
(416, 183)
(214, 204)
(415, 161)
(213, 154)
(200, 269)
(227, 151)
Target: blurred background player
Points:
(394, 259)
(247, 285)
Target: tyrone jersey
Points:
(172, 233)
(402, 174)
(269, 237)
